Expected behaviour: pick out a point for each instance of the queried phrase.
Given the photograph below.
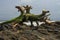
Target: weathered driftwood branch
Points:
(27, 16)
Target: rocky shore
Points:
(15, 29)
(24, 32)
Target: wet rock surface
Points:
(23, 32)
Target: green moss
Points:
(17, 19)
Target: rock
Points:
(23, 32)
(1, 28)
(1, 39)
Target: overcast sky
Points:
(8, 10)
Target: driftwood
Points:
(28, 16)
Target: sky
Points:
(8, 10)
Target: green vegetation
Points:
(25, 16)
